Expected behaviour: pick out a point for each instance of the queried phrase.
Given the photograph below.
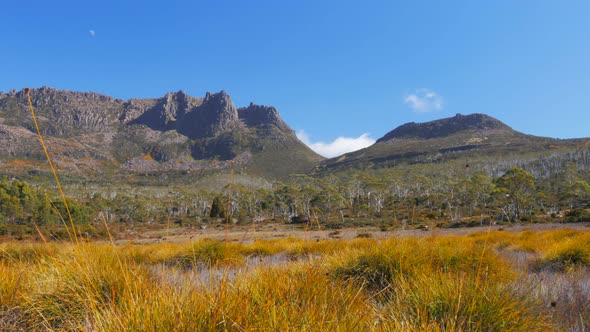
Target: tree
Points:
(517, 188)
(45, 213)
(577, 193)
(482, 188)
(217, 208)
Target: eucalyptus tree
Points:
(517, 190)
(577, 193)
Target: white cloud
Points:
(337, 147)
(424, 100)
(92, 33)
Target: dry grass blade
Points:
(74, 235)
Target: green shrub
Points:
(578, 215)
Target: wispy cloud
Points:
(424, 100)
(337, 147)
(92, 33)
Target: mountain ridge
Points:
(91, 132)
(153, 133)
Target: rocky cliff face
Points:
(216, 115)
(161, 113)
(176, 129)
(62, 113)
(190, 116)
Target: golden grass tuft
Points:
(566, 253)
(446, 283)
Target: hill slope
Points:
(466, 137)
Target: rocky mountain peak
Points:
(256, 115)
(161, 113)
(178, 96)
(477, 121)
(216, 114)
(199, 117)
(174, 105)
(445, 127)
(220, 99)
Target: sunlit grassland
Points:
(490, 281)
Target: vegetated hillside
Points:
(154, 169)
(471, 138)
(92, 134)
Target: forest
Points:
(387, 198)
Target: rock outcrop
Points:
(161, 113)
(216, 115)
(63, 113)
(257, 115)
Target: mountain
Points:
(446, 127)
(156, 139)
(89, 133)
(474, 136)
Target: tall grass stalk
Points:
(74, 234)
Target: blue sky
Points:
(340, 73)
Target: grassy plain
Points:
(490, 280)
